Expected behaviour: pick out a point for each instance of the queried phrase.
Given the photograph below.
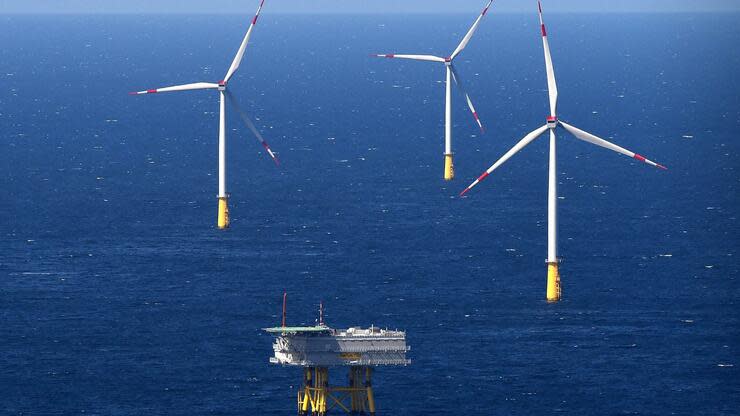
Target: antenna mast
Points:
(285, 301)
(321, 313)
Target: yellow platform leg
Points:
(353, 399)
(449, 167)
(324, 385)
(305, 394)
(369, 387)
(316, 401)
(553, 282)
(317, 398)
(223, 213)
(359, 389)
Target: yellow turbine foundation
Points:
(449, 167)
(553, 282)
(317, 398)
(223, 213)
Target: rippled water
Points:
(118, 296)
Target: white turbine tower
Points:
(553, 275)
(452, 75)
(223, 196)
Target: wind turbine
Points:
(452, 75)
(553, 274)
(223, 196)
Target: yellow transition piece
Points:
(223, 213)
(449, 168)
(553, 282)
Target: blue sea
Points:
(119, 297)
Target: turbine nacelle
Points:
(552, 122)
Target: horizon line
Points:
(355, 13)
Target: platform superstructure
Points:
(317, 348)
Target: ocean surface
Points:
(119, 297)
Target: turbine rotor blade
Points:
(552, 88)
(185, 87)
(590, 138)
(245, 118)
(430, 58)
(517, 147)
(459, 83)
(471, 31)
(240, 53)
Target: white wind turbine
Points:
(452, 75)
(223, 196)
(553, 275)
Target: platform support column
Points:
(316, 392)
(324, 390)
(355, 406)
(317, 398)
(321, 383)
(304, 394)
(369, 389)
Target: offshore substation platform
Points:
(316, 348)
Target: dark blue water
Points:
(118, 296)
